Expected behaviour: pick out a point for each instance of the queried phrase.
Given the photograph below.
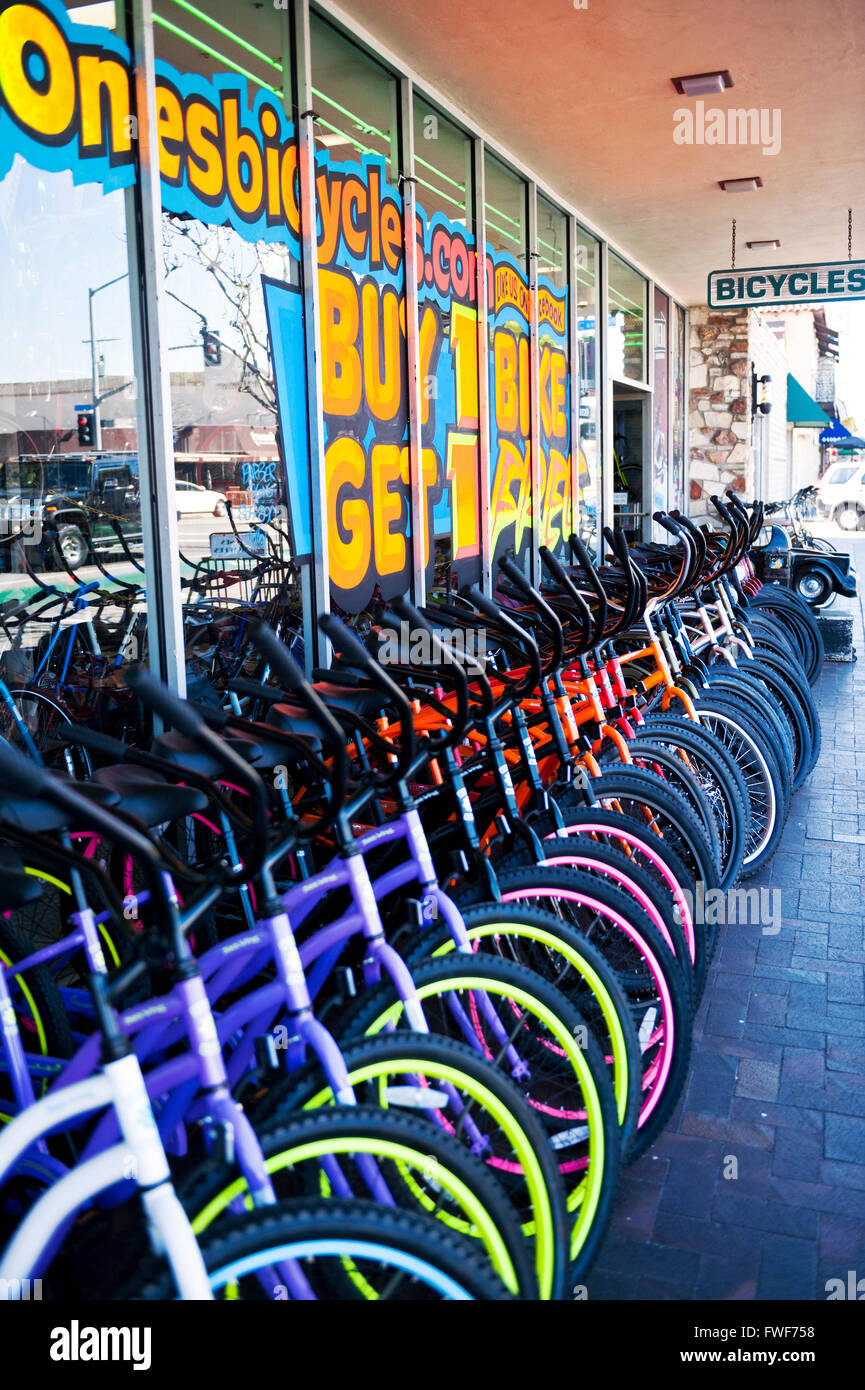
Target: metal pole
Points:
(534, 418)
(573, 375)
(155, 440)
(316, 579)
(485, 468)
(605, 390)
(94, 378)
(417, 492)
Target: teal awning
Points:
(802, 409)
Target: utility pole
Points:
(94, 364)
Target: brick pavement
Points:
(777, 1078)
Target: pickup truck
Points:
(63, 506)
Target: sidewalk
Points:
(757, 1188)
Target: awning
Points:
(802, 409)
(838, 435)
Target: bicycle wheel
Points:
(391, 1156)
(673, 770)
(528, 1027)
(403, 1256)
(646, 799)
(720, 778)
(768, 788)
(476, 1103)
(653, 980)
(33, 722)
(542, 943)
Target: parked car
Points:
(192, 498)
(67, 505)
(841, 493)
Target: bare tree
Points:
(236, 267)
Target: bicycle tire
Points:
(575, 1080)
(513, 1144)
(254, 1242)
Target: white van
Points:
(841, 493)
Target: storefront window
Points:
(677, 468)
(588, 451)
(554, 393)
(661, 410)
(362, 326)
(355, 100)
(447, 316)
(627, 310)
(223, 86)
(69, 468)
(508, 312)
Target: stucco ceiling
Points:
(584, 97)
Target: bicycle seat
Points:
(366, 702)
(175, 748)
(294, 719)
(17, 887)
(40, 817)
(147, 796)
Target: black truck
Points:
(64, 507)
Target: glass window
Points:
(362, 326)
(448, 346)
(588, 448)
(627, 309)
(443, 165)
(554, 385)
(505, 195)
(356, 99)
(508, 309)
(677, 473)
(67, 400)
(222, 375)
(661, 404)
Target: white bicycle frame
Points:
(139, 1154)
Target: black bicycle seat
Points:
(183, 752)
(41, 817)
(147, 796)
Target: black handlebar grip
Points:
(169, 706)
(667, 524)
(579, 548)
(345, 642)
(96, 742)
(278, 656)
(515, 575)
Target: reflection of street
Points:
(194, 534)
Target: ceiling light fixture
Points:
(739, 185)
(762, 245)
(702, 84)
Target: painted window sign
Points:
(448, 369)
(555, 416)
(228, 157)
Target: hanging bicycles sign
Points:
(822, 283)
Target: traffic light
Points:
(86, 433)
(212, 348)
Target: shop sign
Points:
(826, 282)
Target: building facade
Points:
(233, 226)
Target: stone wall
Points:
(719, 419)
